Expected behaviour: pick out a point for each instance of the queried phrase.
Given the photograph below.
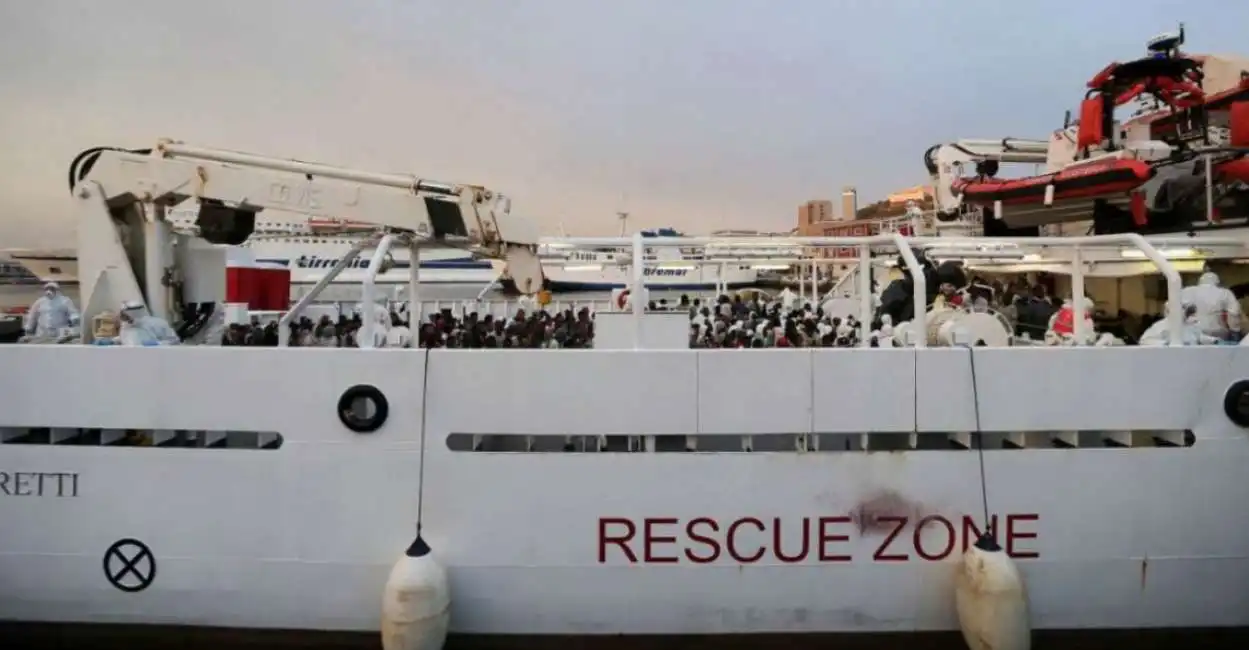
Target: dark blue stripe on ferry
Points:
(441, 264)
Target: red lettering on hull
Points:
(751, 540)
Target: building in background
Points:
(813, 213)
(920, 194)
(849, 203)
(886, 216)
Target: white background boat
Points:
(568, 269)
(308, 248)
(310, 257)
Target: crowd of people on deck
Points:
(532, 328)
(1211, 315)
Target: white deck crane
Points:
(949, 162)
(124, 240)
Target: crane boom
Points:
(123, 196)
(173, 172)
(947, 162)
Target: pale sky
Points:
(701, 114)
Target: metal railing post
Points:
(368, 299)
(919, 286)
(866, 306)
(1077, 294)
(1175, 284)
(639, 284)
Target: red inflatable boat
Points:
(1081, 180)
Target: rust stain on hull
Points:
(880, 513)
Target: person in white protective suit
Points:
(1218, 311)
(381, 318)
(398, 336)
(51, 312)
(1190, 332)
(787, 299)
(142, 329)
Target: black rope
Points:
(975, 396)
(420, 481)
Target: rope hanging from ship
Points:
(416, 601)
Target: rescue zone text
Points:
(749, 540)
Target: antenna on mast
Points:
(622, 215)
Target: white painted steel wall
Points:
(303, 536)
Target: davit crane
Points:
(1181, 163)
(123, 196)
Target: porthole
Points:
(363, 408)
(1236, 403)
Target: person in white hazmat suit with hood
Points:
(1217, 310)
(138, 328)
(51, 313)
(398, 336)
(1190, 331)
(381, 318)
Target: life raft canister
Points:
(1065, 323)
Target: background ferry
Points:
(308, 248)
(311, 248)
(602, 269)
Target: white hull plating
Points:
(608, 542)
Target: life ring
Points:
(622, 299)
(1236, 403)
(346, 404)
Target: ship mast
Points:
(622, 214)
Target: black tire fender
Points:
(1236, 403)
(363, 424)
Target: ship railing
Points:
(1074, 249)
(1068, 251)
(495, 308)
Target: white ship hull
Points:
(601, 543)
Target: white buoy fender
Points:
(991, 600)
(416, 604)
